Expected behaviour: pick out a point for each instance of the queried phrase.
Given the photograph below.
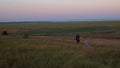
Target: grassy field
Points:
(48, 28)
(59, 50)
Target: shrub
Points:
(26, 36)
(4, 33)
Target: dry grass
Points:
(58, 52)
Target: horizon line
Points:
(59, 21)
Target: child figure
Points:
(86, 42)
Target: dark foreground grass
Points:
(43, 53)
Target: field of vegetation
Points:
(52, 45)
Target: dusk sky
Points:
(59, 10)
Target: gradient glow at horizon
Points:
(59, 10)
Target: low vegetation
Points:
(59, 50)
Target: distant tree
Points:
(4, 33)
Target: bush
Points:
(4, 33)
(26, 36)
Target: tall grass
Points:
(43, 53)
(58, 51)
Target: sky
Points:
(59, 10)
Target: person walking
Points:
(86, 42)
(77, 37)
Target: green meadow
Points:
(59, 27)
(52, 45)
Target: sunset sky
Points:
(59, 10)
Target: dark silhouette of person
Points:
(77, 37)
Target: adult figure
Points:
(77, 37)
